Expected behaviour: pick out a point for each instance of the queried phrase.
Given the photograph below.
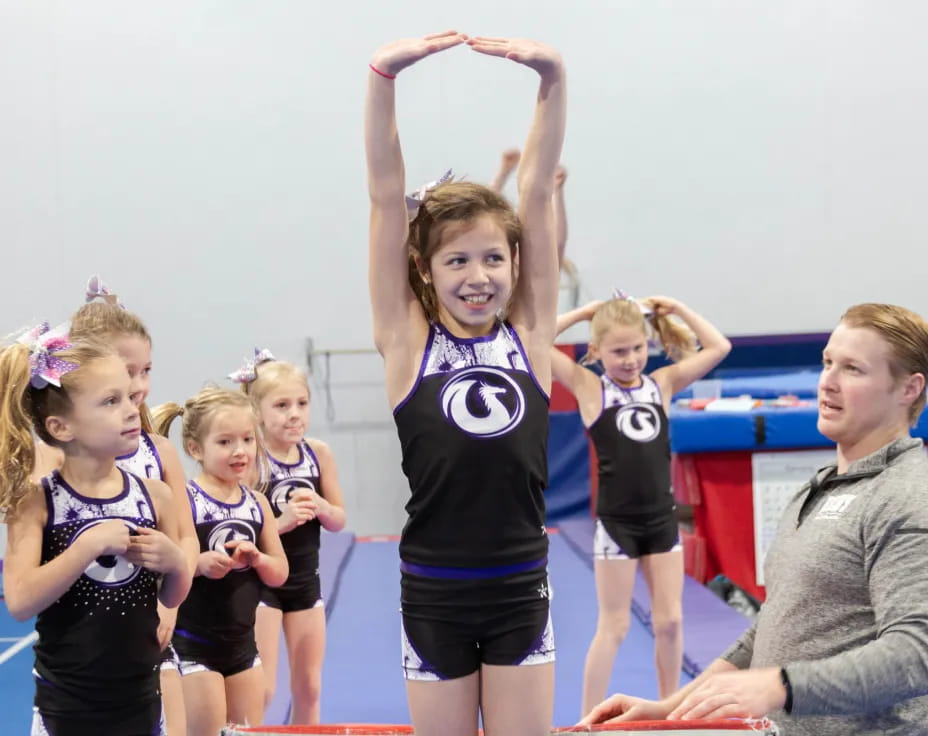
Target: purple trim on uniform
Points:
(49, 506)
(193, 505)
(489, 337)
(626, 389)
(144, 489)
(222, 503)
(515, 336)
(154, 451)
(41, 679)
(622, 553)
(130, 455)
(247, 492)
(603, 379)
(602, 402)
(537, 646)
(660, 395)
(470, 573)
(288, 465)
(425, 359)
(315, 459)
(426, 666)
(192, 637)
(59, 481)
(145, 437)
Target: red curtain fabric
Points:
(724, 514)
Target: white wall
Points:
(762, 161)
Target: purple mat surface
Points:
(709, 624)
(334, 552)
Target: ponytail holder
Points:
(97, 289)
(415, 200)
(249, 370)
(43, 342)
(619, 294)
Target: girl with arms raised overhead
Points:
(464, 298)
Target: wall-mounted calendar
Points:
(776, 478)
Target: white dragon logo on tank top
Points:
(231, 530)
(483, 402)
(285, 488)
(109, 570)
(638, 422)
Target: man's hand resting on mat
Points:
(620, 708)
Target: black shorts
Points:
(629, 540)
(226, 658)
(136, 720)
(299, 597)
(452, 627)
(61, 710)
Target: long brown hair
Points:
(457, 202)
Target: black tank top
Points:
(302, 542)
(632, 442)
(223, 610)
(474, 433)
(97, 644)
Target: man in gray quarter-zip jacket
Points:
(846, 615)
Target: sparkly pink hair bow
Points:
(97, 289)
(43, 342)
(415, 200)
(619, 294)
(249, 370)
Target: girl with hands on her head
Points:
(841, 643)
(626, 414)
(455, 325)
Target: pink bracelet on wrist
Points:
(382, 74)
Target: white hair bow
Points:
(415, 200)
(249, 370)
(619, 294)
(43, 342)
(97, 289)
